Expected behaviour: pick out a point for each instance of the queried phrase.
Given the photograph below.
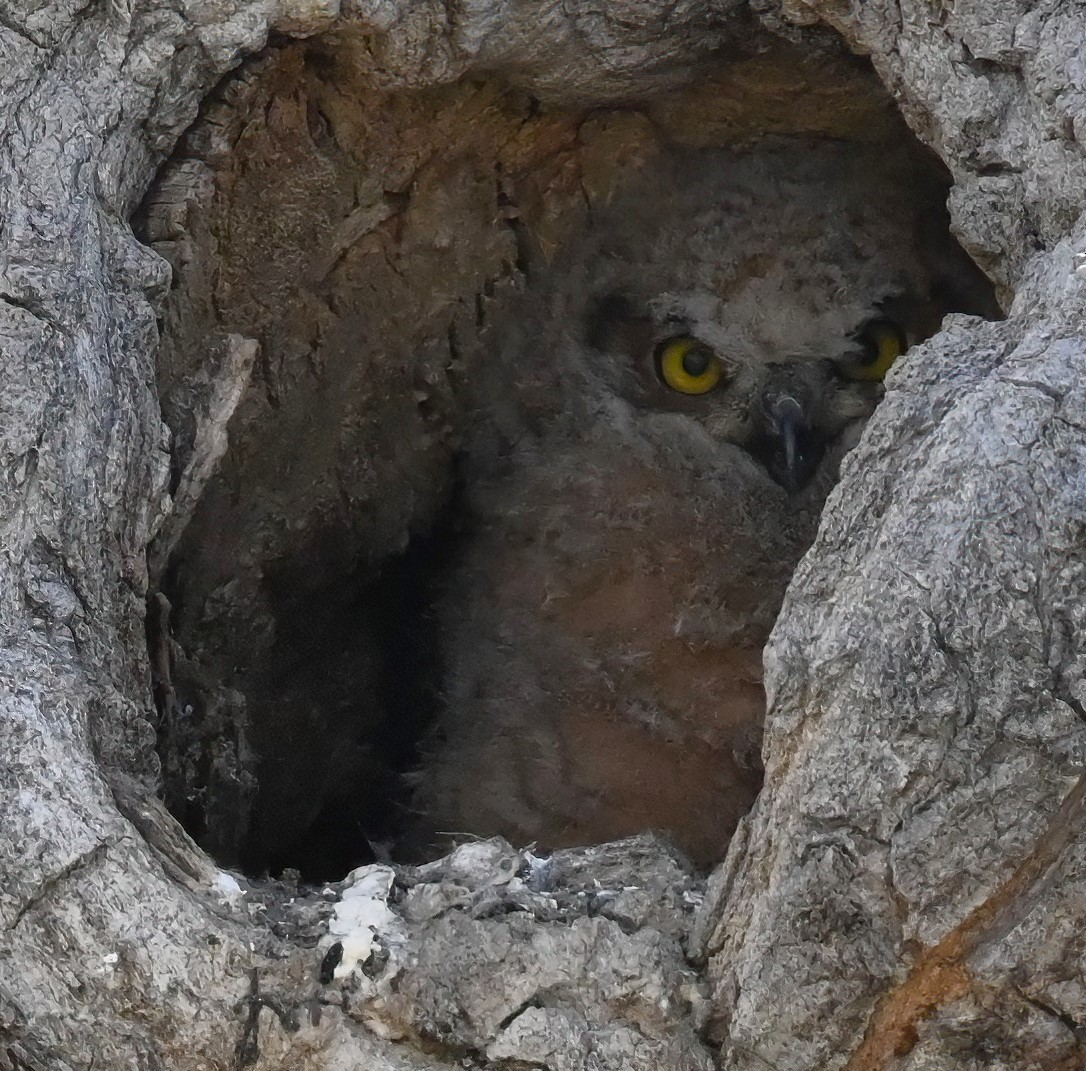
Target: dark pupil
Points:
(870, 348)
(696, 362)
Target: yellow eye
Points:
(688, 366)
(882, 342)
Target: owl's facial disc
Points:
(784, 414)
(785, 411)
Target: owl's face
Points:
(762, 300)
(783, 400)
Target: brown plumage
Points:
(630, 542)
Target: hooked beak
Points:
(789, 447)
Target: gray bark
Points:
(908, 889)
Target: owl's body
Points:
(631, 541)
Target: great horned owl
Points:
(659, 438)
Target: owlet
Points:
(665, 419)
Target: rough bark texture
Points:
(907, 893)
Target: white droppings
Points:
(536, 863)
(362, 915)
(227, 886)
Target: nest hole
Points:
(345, 258)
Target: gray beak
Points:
(788, 446)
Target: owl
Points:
(665, 417)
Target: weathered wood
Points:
(908, 892)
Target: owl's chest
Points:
(605, 642)
(656, 589)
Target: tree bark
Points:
(907, 891)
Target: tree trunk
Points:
(905, 893)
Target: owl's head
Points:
(784, 405)
(763, 296)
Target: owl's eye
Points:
(688, 366)
(881, 343)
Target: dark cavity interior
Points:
(370, 242)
